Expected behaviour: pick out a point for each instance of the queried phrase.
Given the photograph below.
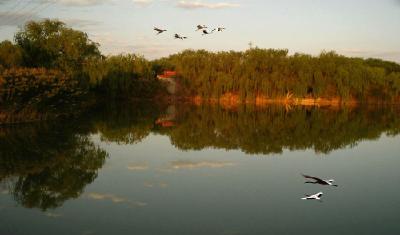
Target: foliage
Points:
(274, 74)
(10, 55)
(39, 87)
(51, 64)
(52, 45)
(123, 76)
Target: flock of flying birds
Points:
(203, 28)
(316, 180)
(319, 181)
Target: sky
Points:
(358, 28)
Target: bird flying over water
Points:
(316, 196)
(319, 181)
(159, 30)
(177, 36)
(200, 27)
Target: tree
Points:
(10, 54)
(274, 74)
(52, 45)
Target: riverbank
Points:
(231, 100)
(228, 101)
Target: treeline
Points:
(123, 77)
(273, 73)
(50, 64)
(50, 67)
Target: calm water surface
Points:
(145, 169)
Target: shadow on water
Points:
(45, 164)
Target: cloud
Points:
(80, 23)
(73, 3)
(115, 199)
(138, 167)
(52, 215)
(19, 19)
(16, 18)
(354, 51)
(153, 184)
(203, 164)
(197, 5)
(142, 3)
(110, 44)
(388, 55)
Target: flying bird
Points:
(319, 181)
(220, 29)
(316, 196)
(205, 32)
(177, 36)
(200, 27)
(159, 30)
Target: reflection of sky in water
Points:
(154, 188)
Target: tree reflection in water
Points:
(46, 164)
(271, 129)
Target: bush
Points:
(27, 86)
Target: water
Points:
(148, 169)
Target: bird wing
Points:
(312, 177)
(205, 32)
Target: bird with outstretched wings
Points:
(319, 181)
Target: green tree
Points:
(51, 44)
(10, 55)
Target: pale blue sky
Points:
(364, 28)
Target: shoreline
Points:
(231, 100)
